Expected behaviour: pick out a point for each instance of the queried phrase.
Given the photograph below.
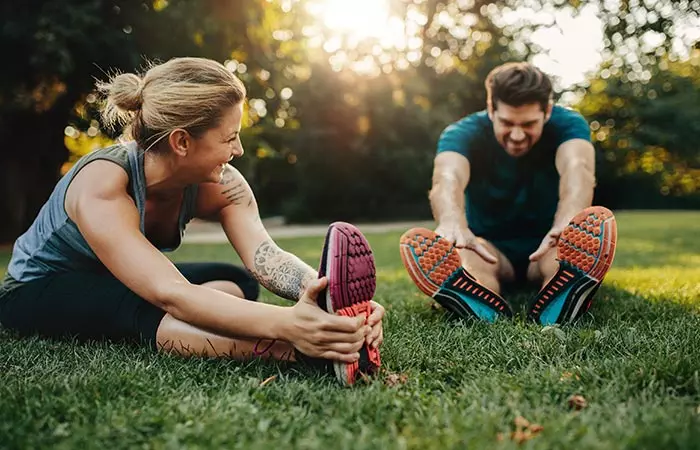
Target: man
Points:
(528, 170)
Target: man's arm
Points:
(575, 162)
(233, 202)
(450, 179)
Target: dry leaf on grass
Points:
(568, 376)
(394, 379)
(521, 422)
(267, 380)
(520, 436)
(536, 428)
(577, 402)
(524, 431)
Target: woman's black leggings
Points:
(93, 306)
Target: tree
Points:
(647, 129)
(58, 48)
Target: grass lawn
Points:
(635, 359)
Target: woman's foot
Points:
(348, 263)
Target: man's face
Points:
(518, 128)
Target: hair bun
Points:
(125, 91)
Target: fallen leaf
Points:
(267, 380)
(536, 428)
(521, 422)
(577, 402)
(520, 436)
(524, 431)
(394, 379)
(567, 376)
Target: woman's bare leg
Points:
(176, 336)
(225, 286)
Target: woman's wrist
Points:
(282, 323)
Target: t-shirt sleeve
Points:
(459, 137)
(571, 125)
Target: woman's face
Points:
(217, 146)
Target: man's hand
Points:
(550, 241)
(462, 237)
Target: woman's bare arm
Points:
(233, 202)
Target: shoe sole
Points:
(585, 251)
(435, 267)
(348, 263)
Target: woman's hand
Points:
(376, 336)
(319, 334)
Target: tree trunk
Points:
(30, 166)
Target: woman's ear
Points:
(180, 142)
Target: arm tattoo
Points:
(236, 193)
(280, 272)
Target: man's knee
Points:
(542, 270)
(485, 272)
(502, 270)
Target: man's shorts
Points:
(518, 252)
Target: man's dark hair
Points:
(517, 84)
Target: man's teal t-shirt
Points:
(510, 198)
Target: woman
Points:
(91, 265)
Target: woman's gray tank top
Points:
(53, 243)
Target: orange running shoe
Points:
(348, 263)
(585, 252)
(435, 267)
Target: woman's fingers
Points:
(342, 324)
(330, 337)
(377, 315)
(341, 357)
(379, 340)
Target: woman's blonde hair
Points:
(187, 93)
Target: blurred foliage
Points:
(341, 126)
(650, 126)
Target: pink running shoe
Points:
(348, 263)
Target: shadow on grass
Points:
(650, 341)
